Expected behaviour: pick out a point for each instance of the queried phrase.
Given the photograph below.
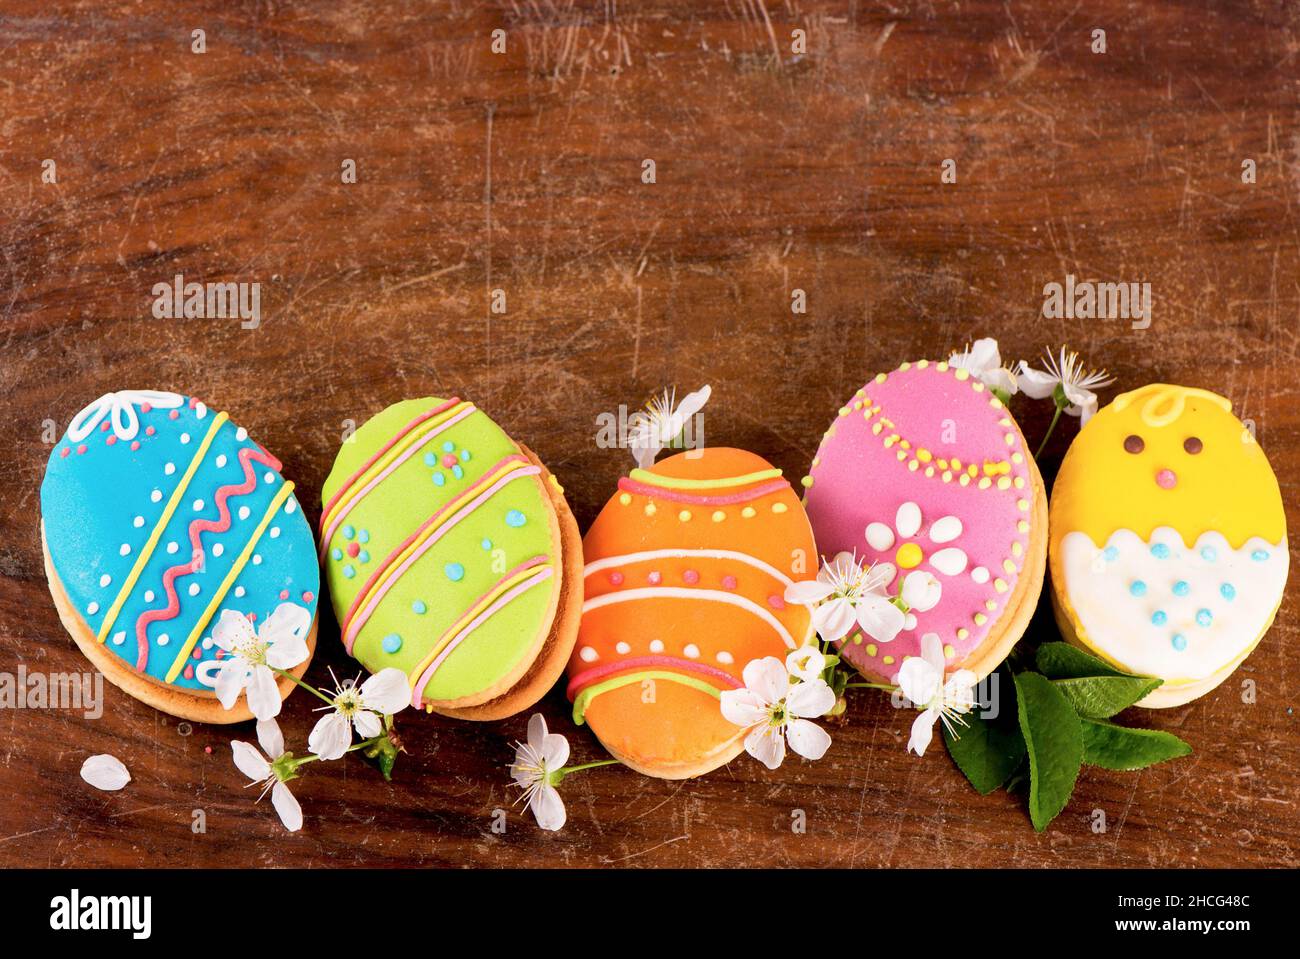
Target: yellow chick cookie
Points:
(1167, 543)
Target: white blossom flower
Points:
(845, 594)
(105, 772)
(362, 708)
(263, 771)
(1066, 373)
(661, 422)
(775, 711)
(921, 678)
(119, 407)
(537, 770)
(984, 362)
(280, 643)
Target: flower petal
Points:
(807, 739)
(331, 736)
(548, 808)
(287, 806)
(537, 732)
(287, 650)
(879, 618)
(692, 403)
(367, 724)
(555, 751)
(1035, 384)
(767, 678)
(743, 707)
(879, 578)
(806, 663)
(767, 745)
(807, 592)
(833, 619)
(263, 693)
(270, 738)
(810, 700)
(105, 772)
(387, 691)
(231, 679)
(922, 732)
(919, 681)
(232, 631)
(984, 355)
(932, 651)
(249, 761)
(1000, 378)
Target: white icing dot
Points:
(119, 638)
(164, 639)
(290, 505)
(221, 460)
(945, 530)
(243, 512)
(241, 434)
(239, 591)
(105, 580)
(691, 651)
(156, 495)
(125, 550)
(207, 642)
(950, 561)
(173, 546)
(138, 522)
(185, 438)
(217, 549)
(656, 645)
(726, 658)
(880, 537)
(198, 505)
(979, 574)
(275, 531)
(200, 410)
(623, 648)
(148, 595)
(194, 589)
(908, 519)
(257, 559)
(269, 476)
(92, 609)
(169, 469)
(588, 654)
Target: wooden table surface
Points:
(522, 171)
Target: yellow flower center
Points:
(909, 556)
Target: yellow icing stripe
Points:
(675, 482)
(277, 501)
(147, 549)
(500, 589)
(448, 511)
(585, 697)
(414, 437)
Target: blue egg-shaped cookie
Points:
(160, 516)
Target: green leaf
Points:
(987, 752)
(1063, 661)
(1117, 747)
(1054, 741)
(1100, 697)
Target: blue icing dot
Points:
(486, 544)
(363, 536)
(439, 479)
(1204, 617)
(1158, 618)
(515, 518)
(464, 455)
(1181, 588)
(1209, 554)
(419, 607)
(1228, 591)
(1160, 550)
(336, 553)
(349, 531)
(1110, 554)
(430, 459)
(455, 572)
(1137, 588)
(1259, 555)
(349, 571)
(364, 556)
(457, 472)
(1179, 642)
(448, 446)
(392, 643)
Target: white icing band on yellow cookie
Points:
(1162, 608)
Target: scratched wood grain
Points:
(522, 172)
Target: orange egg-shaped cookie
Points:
(686, 569)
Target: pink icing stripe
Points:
(588, 676)
(360, 619)
(382, 568)
(219, 525)
(417, 695)
(414, 448)
(696, 499)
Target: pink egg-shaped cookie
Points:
(925, 471)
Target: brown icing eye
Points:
(1134, 444)
(1193, 445)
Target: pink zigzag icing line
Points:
(220, 525)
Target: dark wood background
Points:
(522, 171)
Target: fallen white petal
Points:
(105, 772)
